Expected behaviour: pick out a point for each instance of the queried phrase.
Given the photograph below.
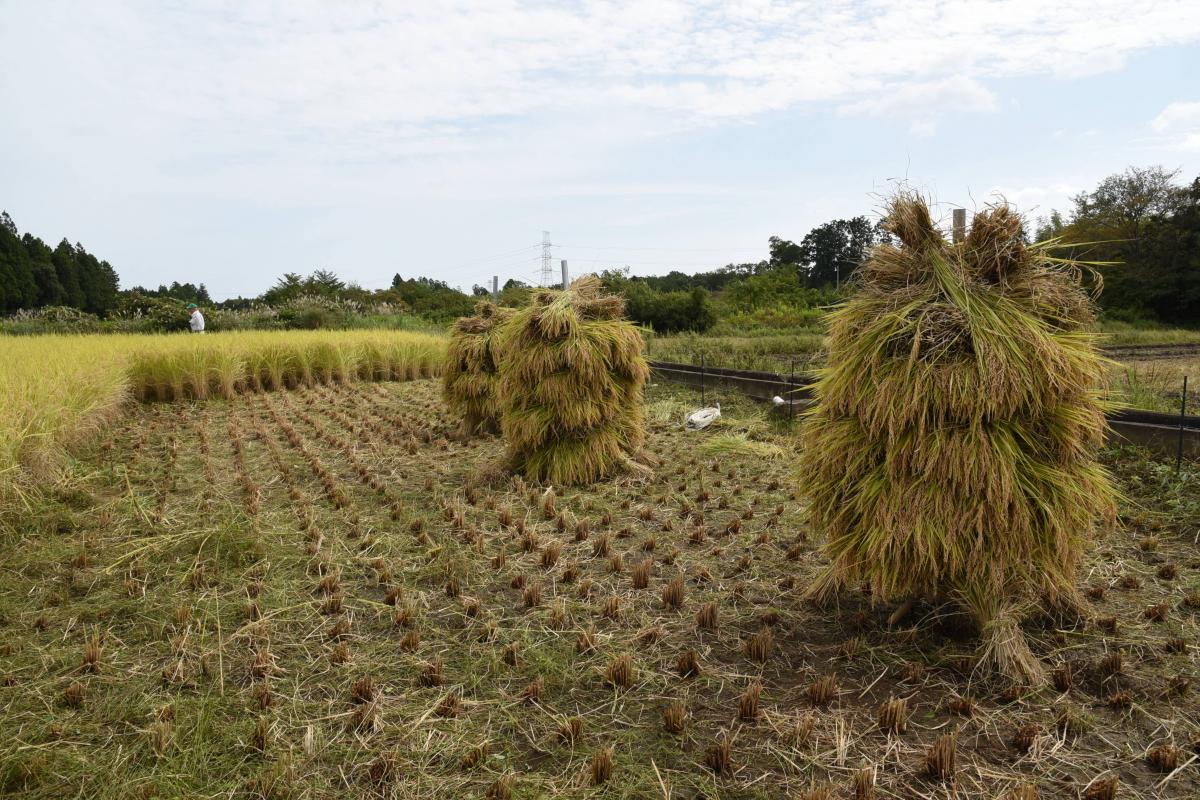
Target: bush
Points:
(50, 319)
(772, 320)
(776, 287)
(670, 312)
(432, 299)
(310, 313)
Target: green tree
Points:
(514, 293)
(1123, 206)
(97, 281)
(830, 253)
(665, 312)
(50, 291)
(289, 287)
(18, 288)
(184, 292)
(63, 258)
(1145, 231)
(1050, 227)
(432, 298)
(325, 283)
(784, 252)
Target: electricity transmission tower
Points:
(547, 268)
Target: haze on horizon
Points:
(228, 143)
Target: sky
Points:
(226, 143)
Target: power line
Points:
(494, 257)
(518, 260)
(547, 258)
(648, 263)
(666, 249)
(463, 271)
(510, 265)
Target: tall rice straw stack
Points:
(952, 449)
(470, 383)
(572, 373)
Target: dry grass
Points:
(893, 715)
(406, 691)
(940, 757)
(602, 765)
(675, 717)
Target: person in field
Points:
(196, 323)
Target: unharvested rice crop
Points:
(572, 373)
(470, 382)
(192, 367)
(952, 448)
(56, 391)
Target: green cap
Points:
(192, 305)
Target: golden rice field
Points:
(59, 390)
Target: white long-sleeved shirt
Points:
(197, 321)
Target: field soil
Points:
(323, 593)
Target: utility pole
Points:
(564, 268)
(495, 288)
(960, 224)
(547, 259)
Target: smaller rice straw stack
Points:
(572, 373)
(470, 383)
(952, 449)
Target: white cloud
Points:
(390, 75)
(925, 102)
(1037, 200)
(1179, 123)
(221, 123)
(958, 93)
(1178, 115)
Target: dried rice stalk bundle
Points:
(470, 383)
(572, 372)
(952, 448)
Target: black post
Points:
(703, 401)
(791, 392)
(1182, 415)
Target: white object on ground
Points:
(703, 418)
(777, 400)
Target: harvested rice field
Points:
(324, 593)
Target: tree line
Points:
(32, 275)
(1141, 227)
